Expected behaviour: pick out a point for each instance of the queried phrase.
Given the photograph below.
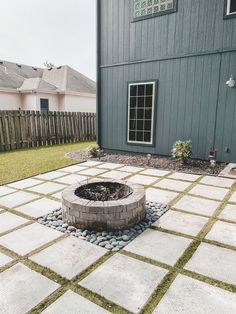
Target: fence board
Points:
(19, 129)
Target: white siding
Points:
(79, 104)
(9, 101)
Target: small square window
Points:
(151, 8)
(230, 8)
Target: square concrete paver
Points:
(184, 176)
(17, 199)
(155, 172)
(74, 255)
(190, 296)
(4, 259)
(209, 192)
(50, 175)
(29, 238)
(39, 208)
(125, 281)
(223, 232)
(91, 163)
(10, 221)
(118, 175)
(159, 246)
(4, 190)
(23, 184)
(160, 196)
(229, 213)
(218, 181)
(57, 195)
(22, 289)
(74, 168)
(144, 180)
(197, 205)
(73, 303)
(110, 166)
(233, 198)
(71, 179)
(214, 262)
(131, 169)
(92, 172)
(181, 222)
(175, 185)
(47, 188)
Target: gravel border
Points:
(194, 166)
(110, 240)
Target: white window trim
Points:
(228, 8)
(153, 102)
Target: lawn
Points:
(22, 163)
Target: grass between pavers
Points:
(166, 282)
(23, 163)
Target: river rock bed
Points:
(110, 240)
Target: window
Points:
(151, 8)
(44, 104)
(230, 8)
(141, 112)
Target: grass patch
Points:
(23, 163)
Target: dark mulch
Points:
(167, 163)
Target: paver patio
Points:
(63, 274)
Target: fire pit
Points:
(103, 204)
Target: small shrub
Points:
(182, 150)
(94, 150)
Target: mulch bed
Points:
(194, 166)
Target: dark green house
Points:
(163, 66)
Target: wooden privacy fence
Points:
(19, 129)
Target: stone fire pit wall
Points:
(108, 215)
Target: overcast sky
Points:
(60, 31)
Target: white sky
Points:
(60, 31)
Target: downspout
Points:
(98, 82)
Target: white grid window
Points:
(231, 7)
(144, 8)
(141, 112)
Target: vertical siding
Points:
(197, 26)
(226, 117)
(185, 104)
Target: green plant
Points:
(94, 150)
(182, 150)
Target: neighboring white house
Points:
(55, 89)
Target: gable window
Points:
(230, 8)
(141, 101)
(44, 104)
(151, 8)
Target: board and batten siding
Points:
(191, 53)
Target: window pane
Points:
(133, 90)
(147, 136)
(140, 114)
(148, 125)
(131, 136)
(139, 137)
(141, 89)
(133, 102)
(140, 125)
(132, 125)
(141, 102)
(132, 114)
(148, 114)
(149, 88)
(148, 102)
(233, 6)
